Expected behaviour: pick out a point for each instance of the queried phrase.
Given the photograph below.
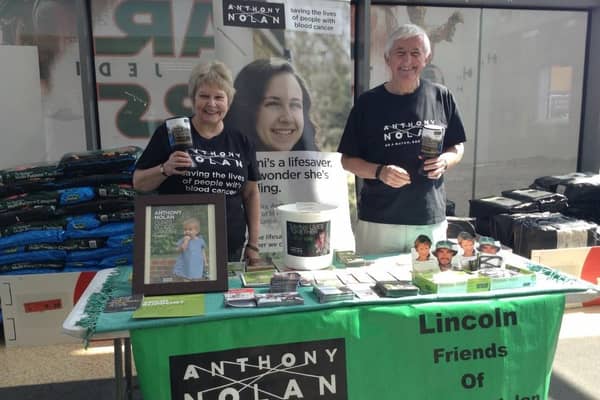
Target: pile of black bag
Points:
(70, 215)
(554, 212)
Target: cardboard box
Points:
(450, 282)
(35, 306)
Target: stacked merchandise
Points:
(72, 215)
(484, 209)
(501, 225)
(582, 191)
(551, 231)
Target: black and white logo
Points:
(253, 14)
(313, 370)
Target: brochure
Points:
(184, 305)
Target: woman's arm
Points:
(251, 198)
(146, 180)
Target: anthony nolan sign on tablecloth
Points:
(479, 349)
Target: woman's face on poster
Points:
(280, 118)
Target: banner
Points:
(145, 51)
(302, 176)
(467, 350)
(294, 109)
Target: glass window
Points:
(522, 116)
(529, 98)
(41, 86)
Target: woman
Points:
(221, 160)
(272, 106)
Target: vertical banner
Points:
(145, 51)
(291, 106)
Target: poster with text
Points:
(292, 107)
(144, 52)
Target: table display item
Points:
(240, 297)
(396, 289)
(451, 282)
(256, 278)
(279, 299)
(170, 306)
(284, 282)
(306, 234)
(327, 294)
(123, 303)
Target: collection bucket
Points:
(306, 234)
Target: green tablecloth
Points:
(491, 346)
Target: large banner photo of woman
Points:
(293, 91)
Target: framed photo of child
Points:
(180, 244)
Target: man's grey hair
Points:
(404, 32)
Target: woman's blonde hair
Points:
(214, 73)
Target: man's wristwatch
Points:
(378, 171)
(162, 170)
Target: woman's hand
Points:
(177, 163)
(251, 252)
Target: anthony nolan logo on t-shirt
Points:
(253, 14)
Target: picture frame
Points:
(180, 244)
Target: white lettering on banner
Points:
(302, 176)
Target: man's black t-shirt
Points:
(222, 164)
(385, 128)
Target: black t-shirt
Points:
(223, 164)
(385, 128)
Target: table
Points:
(425, 347)
(120, 339)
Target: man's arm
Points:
(391, 175)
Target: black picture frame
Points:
(159, 265)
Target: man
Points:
(381, 144)
(444, 251)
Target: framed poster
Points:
(180, 244)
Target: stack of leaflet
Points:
(327, 294)
(72, 215)
(278, 299)
(240, 297)
(396, 289)
(284, 282)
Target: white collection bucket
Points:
(306, 234)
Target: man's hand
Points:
(394, 176)
(435, 167)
